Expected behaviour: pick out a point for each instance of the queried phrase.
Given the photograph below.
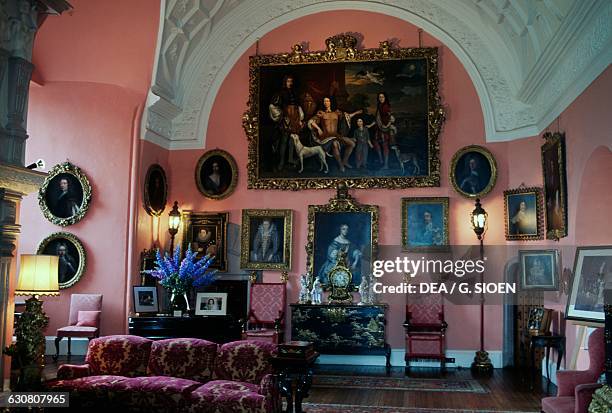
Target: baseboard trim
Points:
(463, 358)
(78, 346)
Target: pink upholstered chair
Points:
(575, 388)
(266, 319)
(425, 330)
(84, 320)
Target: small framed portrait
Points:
(145, 299)
(216, 174)
(155, 190)
(342, 225)
(425, 224)
(266, 239)
(71, 253)
(523, 214)
(65, 194)
(592, 267)
(206, 233)
(473, 171)
(555, 185)
(539, 269)
(211, 304)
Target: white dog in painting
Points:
(308, 151)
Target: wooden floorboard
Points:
(508, 389)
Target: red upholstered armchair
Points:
(266, 319)
(575, 388)
(84, 320)
(425, 330)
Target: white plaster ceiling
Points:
(528, 59)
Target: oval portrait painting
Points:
(155, 190)
(216, 174)
(71, 254)
(65, 194)
(473, 171)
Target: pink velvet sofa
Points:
(185, 374)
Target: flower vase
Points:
(179, 302)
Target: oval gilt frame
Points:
(147, 196)
(493, 165)
(233, 166)
(65, 168)
(78, 245)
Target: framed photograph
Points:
(539, 269)
(211, 304)
(65, 194)
(425, 224)
(266, 239)
(523, 214)
(592, 266)
(555, 185)
(370, 118)
(155, 190)
(216, 174)
(473, 171)
(342, 225)
(71, 253)
(207, 234)
(145, 299)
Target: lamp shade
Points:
(38, 275)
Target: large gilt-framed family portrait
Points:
(266, 239)
(555, 185)
(370, 118)
(65, 194)
(206, 234)
(342, 225)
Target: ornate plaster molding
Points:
(521, 88)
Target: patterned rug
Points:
(399, 383)
(346, 408)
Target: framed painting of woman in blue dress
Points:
(473, 171)
(425, 224)
(345, 114)
(523, 214)
(266, 239)
(342, 225)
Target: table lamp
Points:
(37, 276)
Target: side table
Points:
(298, 371)
(547, 342)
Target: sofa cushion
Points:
(154, 393)
(245, 360)
(85, 384)
(558, 404)
(228, 396)
(187, 358)
(88, 319)
(120, 355)
(77, 331)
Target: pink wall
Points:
(96, 64)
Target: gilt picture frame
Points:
(295, 144)
(72, 256)
(65, 194)
(345, 224)
(523, 214)
(555, 185)
(540, 269)
(155, 192)
(216, 174)
(425, 224)
(206, 234)
(266, 239)
(473, 171)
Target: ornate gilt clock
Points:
(340, 278)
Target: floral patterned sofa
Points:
(185, 374)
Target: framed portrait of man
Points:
(555, 185)
(342, 225)
(65, 194)
(71, 253)
(216, 174)
(347, 114)
(155, 190)
(473, 171)
(206, 233)
(592, 268)
(523, 214)
(266, 239)
(425, 224)
(539, 270)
